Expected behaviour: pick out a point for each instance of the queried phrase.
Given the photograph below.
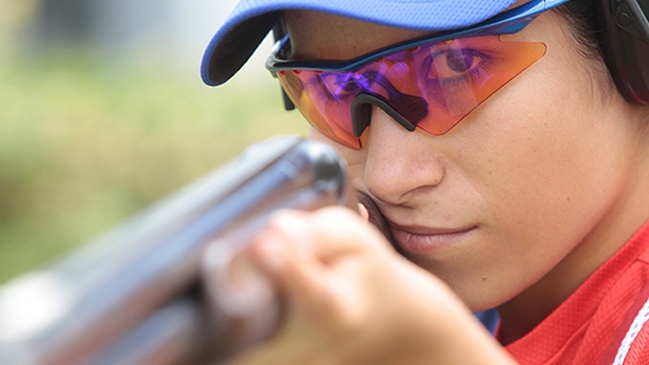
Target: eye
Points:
(338, 85)
(461, 60)
(452, 64)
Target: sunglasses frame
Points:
(508, 22)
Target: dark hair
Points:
(581, 17)
(583, 21)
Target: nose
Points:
(400, 164)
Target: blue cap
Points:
(252, 20)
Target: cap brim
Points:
(252, 20)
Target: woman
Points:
(510, 169)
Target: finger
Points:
(302, 277)
(333, 232)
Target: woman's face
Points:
(513, 195)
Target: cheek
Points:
(539, 159)
(535, 171)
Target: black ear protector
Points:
(625, 44)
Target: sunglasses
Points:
(429, 83)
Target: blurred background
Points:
(102, 112)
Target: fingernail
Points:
(363, 212)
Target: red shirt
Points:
(591, 325)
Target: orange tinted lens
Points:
(465, 73)
(433, 86)
(312, 96)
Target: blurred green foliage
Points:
(84, 144)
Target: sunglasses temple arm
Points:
(288, 103)
(279, 31)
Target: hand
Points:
(351, 299)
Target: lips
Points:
(426, 240)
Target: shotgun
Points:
(161, 288)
